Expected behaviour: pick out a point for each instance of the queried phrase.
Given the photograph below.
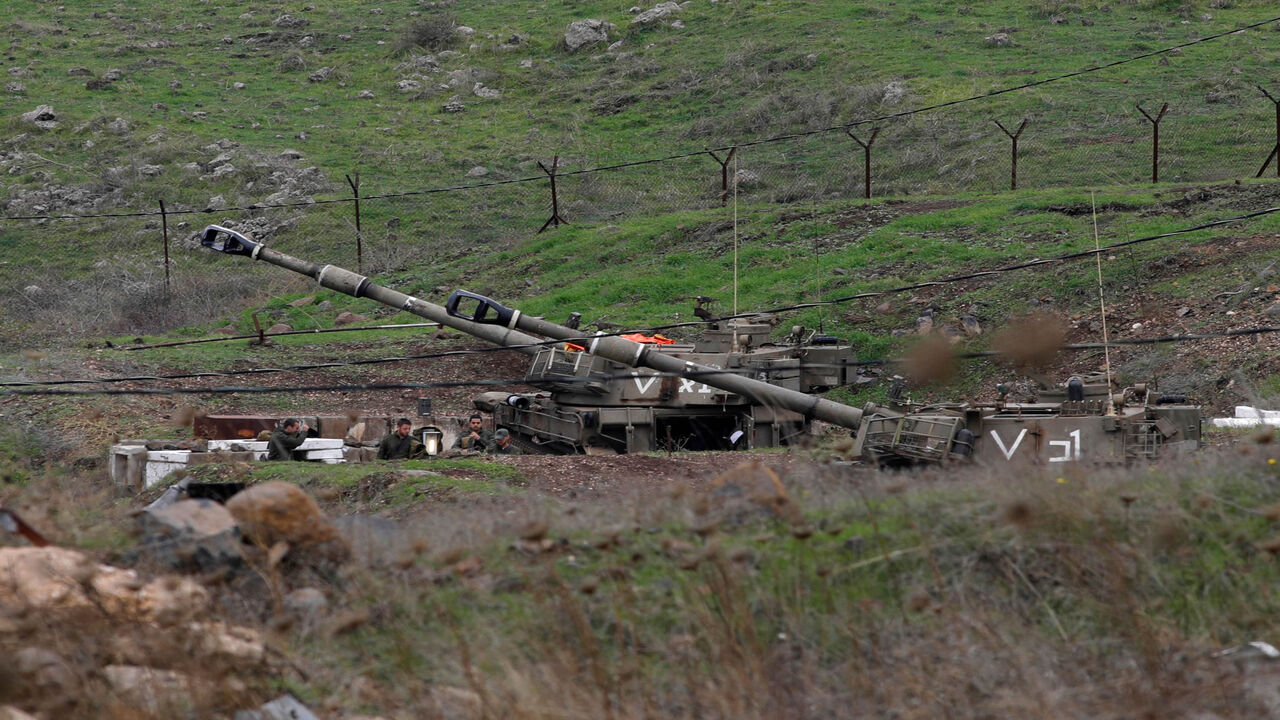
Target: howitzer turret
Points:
(690, 396)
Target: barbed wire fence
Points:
(1169, 128)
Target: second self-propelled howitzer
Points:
(607, 393)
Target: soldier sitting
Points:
(400, 445)
(502, 444)
(476, 437)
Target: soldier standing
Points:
(286, 438)
(476, 437)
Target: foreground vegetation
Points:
(797, 588)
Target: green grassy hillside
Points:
(205, 107)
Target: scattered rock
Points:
(279, 328)
(285, 707)
(971, 325)
(365, 95)
(584, 33)
(43, 117)
(478, 171)
(484, 92)
(321, 75)
(306, 602)
(79, 71)
(119, 126)
(303, 301)
(1184, 311)
(924, 324)
(146, 688)
(746, 178)
(227, 330)
(289, 21)
(409, 86)
(656, 13)
(463, 31)
(999, 40)
(895, 91)
(349, 318)
(15, 87)
(113, 75)
(454, 106)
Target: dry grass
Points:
(817, 591)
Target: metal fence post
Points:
(866, 158)
(355, 191)
(164, 225)
(1276, 149)
(1013, 167)
(724, 174)
(555, 198)
(1155, 140)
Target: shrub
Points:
(434, 32)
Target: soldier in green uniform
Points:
(399, 445)
(475, 437)
(502, 444)
(286, 438)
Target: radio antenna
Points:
(1102, 301)
(735, 234)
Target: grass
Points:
(1043, 570)
(686, 94)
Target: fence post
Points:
(164, 225)
(866, 158)
(1155, 140)
(724, 173)
(1013, 167)
(555, 198)
(355, 191)
(1276, 149)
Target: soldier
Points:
(399, 445)
(502, 444)
(286, 438)
(476, 436)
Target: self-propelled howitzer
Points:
(490, 321)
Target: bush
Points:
(434, 32)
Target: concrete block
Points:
(157, 471)
(128, 466)
(326, 454)
(321, 444)
(230, 445)
(168, 456)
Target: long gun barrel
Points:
(503, 326)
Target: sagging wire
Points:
(684, 155)
(785, 373)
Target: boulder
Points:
(52, 578)
(349, 318)
(42, 117)
(585, 33)
(279, 512)
(190, 535)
